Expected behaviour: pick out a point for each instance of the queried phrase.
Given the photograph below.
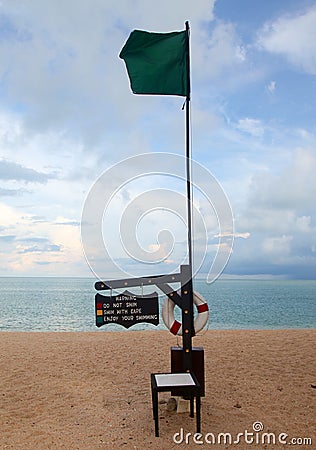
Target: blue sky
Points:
(67, 116)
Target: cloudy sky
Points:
(67, 116)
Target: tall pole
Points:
(188, 153)
(187, 287)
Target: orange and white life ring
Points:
(200, 321)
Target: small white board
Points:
(174, 379)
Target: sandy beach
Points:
(92, 390)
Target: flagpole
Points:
(188, 318)
(188, 153)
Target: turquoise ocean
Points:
(67, 304)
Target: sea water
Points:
(67, 304)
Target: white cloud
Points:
(293, 37)
(251, 126)
(281, 220)
(277, 246)
(242, 235)
(216, 52)
(271, 87)
(304, 224)
(30, 242)
(294, 188)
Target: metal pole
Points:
(188, 153)
(187, 287)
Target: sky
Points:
(69, 121)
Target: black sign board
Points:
(126, 309)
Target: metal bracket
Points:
(184, 301)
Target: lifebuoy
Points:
(200, 321)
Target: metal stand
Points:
(184, 301)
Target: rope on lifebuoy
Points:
(200, 321)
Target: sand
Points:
(92, 390)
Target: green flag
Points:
(156, 62)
